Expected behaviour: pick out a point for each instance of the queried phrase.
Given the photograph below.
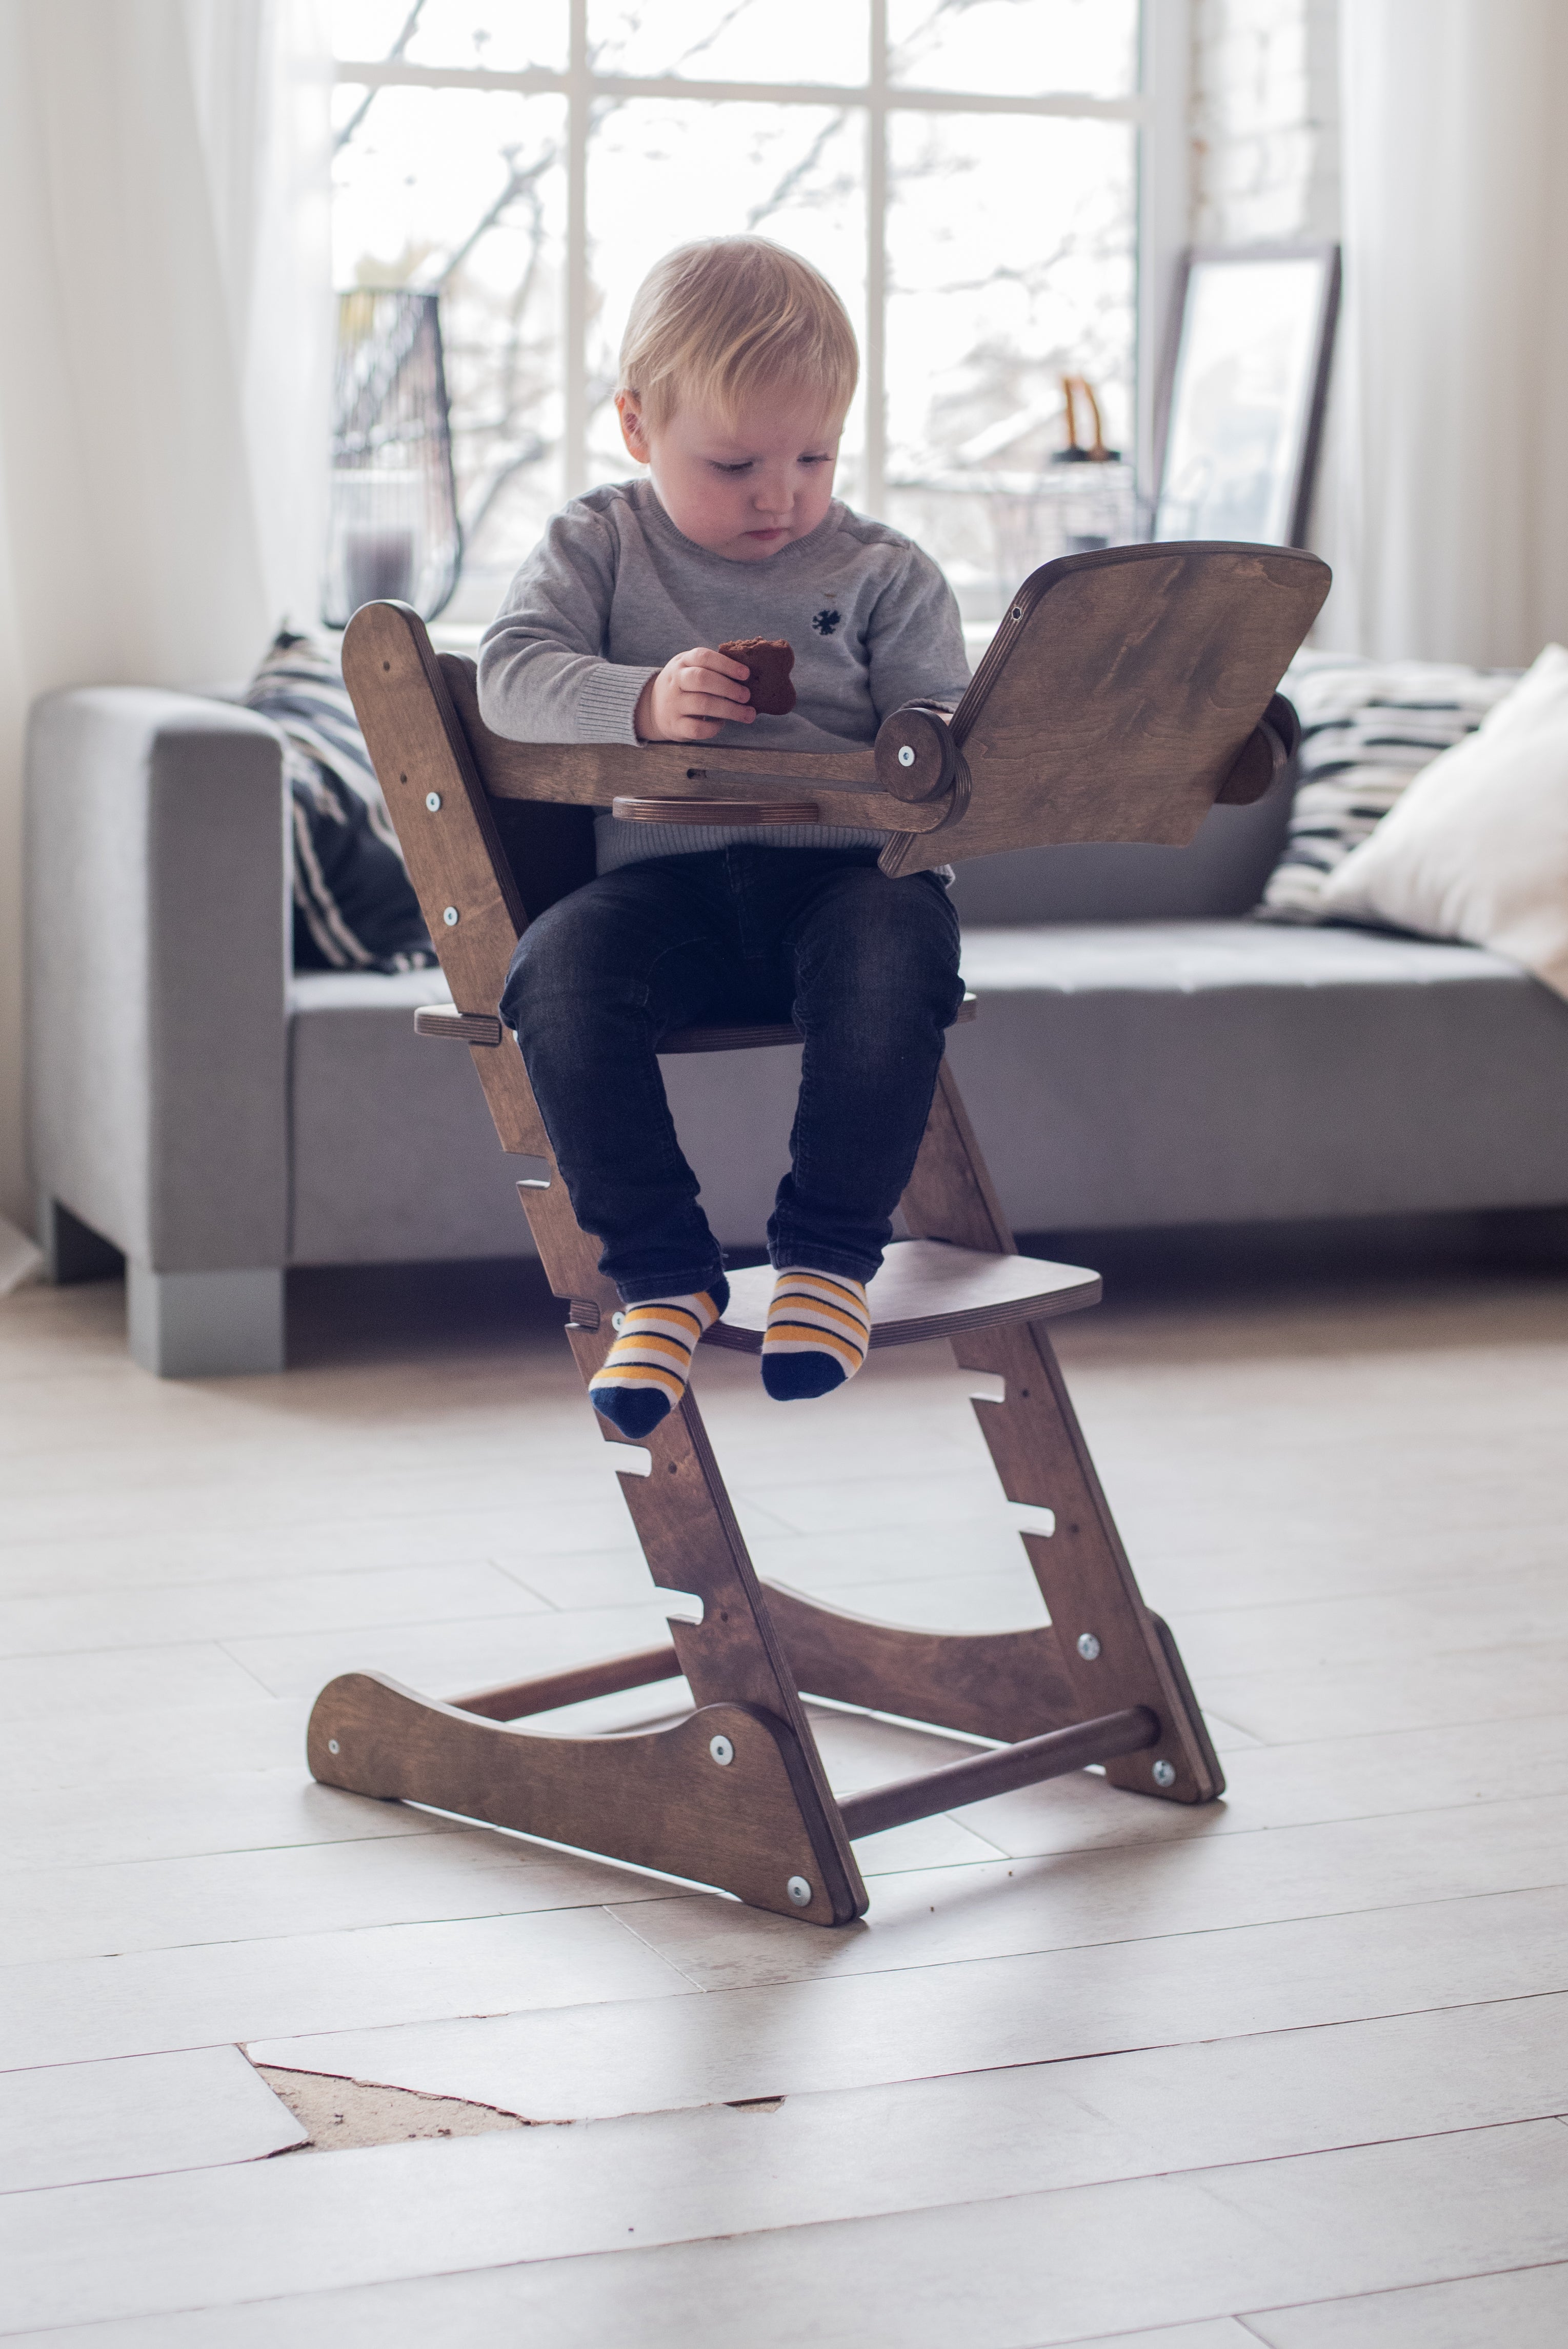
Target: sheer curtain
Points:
(165, 347)
(1447, 508)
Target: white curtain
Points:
(165, 347)
(1446, 504)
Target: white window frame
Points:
(1158, 112)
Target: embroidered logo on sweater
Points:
(826, 620)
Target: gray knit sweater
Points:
(612, 591)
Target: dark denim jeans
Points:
(866, 968)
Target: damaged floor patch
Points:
(345, 2114)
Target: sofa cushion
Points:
(396, 1159)
(354, 904)
(1478, 846)
(1368, 728)
(1221, 872)
(1208, 1071)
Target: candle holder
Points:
(393, 530)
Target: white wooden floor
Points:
(1290, 2070)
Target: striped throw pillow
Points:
(1367, 728)
(354, 904)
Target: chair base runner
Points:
(717, 1798)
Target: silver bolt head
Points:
(905, 756)
(1164, 1773)
(800, 1891)
(1088, 1646)
(333, 1746)
(450, 917)
(432, 800)
(722, 1751)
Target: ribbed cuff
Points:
(608, 708)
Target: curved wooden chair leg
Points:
(717, 1798)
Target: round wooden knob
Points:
(915, 754)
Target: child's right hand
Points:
(692, 696)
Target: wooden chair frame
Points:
(1153, 668)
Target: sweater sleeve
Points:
(542, 676)
(917, 639)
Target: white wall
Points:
(165, 358)
(1265, 121)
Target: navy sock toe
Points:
(635, 1411)
(796, 1378)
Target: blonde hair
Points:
(722, 321)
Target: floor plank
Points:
(1525, 2308)
(185, 1817)
(257, 1607)
(857, 2030)
(1028, 2269)
(1200, 1885)
(74, 2124)
(329, 1888)
(74, 2010)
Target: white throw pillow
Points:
(1477, 846)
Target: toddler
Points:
(736, 371)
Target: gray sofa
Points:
(1144, 1055)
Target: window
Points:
(965, 172)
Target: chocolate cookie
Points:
(769, 660)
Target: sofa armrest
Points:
(157, 957)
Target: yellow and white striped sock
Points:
(644, 1373)
(818, 1327)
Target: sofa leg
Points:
(72, 1250)
(205, 1325)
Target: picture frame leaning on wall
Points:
(1239, 407)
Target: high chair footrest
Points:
(926, 1288)
(437, 1019)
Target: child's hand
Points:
(691, 698)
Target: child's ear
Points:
(633, 430)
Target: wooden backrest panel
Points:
(454, 854)
(1117, 693)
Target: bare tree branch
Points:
(368, 100)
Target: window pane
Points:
(662, 171)
(462, 191)
(1010, 261)
(731, 40)
(1015, 48)
(502, 34)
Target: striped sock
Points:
(818, 1327)
(644, 1373)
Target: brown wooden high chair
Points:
(1122, 695)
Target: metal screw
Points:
(450, 917)
(332, 1746)
(906, 756)
(1088, 1646)
(617, 1321)
(1165, 1774)
(432, 800)
(723, 1753)
(800, 1891)
(1017, 612)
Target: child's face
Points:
(744, 489)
